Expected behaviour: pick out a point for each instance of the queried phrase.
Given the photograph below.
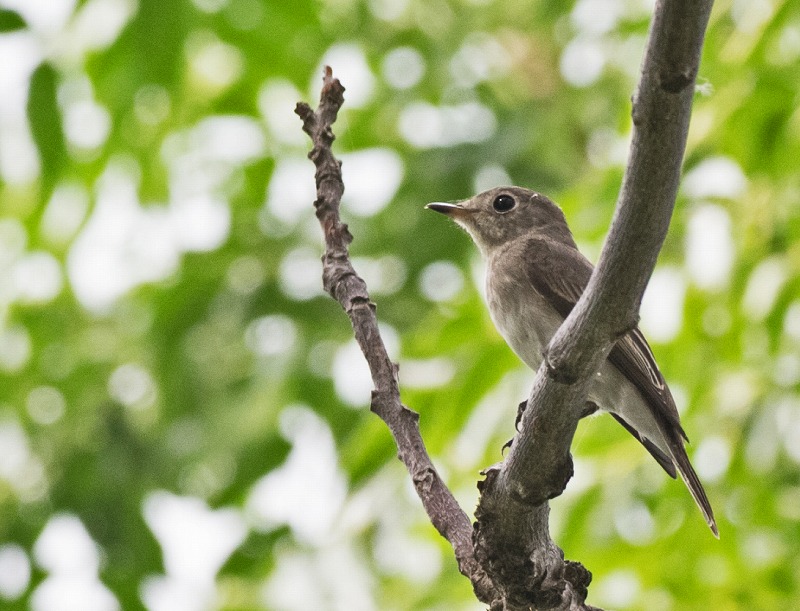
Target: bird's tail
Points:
(688, 475)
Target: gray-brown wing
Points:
(633, 357)
(560, 274)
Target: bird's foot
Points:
(520, 410)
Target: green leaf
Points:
(10, 21)
(45, 122)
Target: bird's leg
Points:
(520, 410)
(588, 409)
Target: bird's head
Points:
(501, 215)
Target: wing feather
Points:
(560, 273)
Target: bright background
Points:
(184, 417)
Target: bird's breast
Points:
(522, 316)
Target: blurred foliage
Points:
(174, 380)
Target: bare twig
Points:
(344, 285)
(539, 463)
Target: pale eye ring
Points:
(504, 203)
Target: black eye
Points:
(503, 203)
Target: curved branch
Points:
(539, 463)
(350, 290)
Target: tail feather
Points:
(688, 475)
(662, 458)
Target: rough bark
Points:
(347, 287)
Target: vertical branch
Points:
(514, 499)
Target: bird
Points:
(535, 275)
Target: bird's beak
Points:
(452, 210)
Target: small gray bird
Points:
(535, 276)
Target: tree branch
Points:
(539, 464)
(347, 287)
(514, 565)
